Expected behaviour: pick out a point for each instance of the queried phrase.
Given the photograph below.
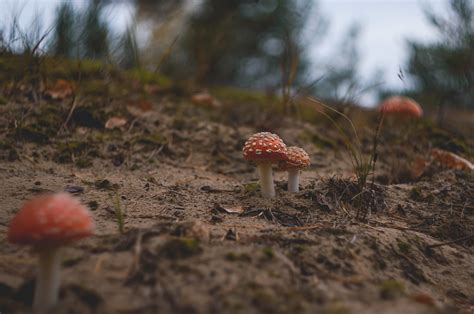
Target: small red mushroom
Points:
(401, 106)
(298, 159)
(48, 222)
(265, 149)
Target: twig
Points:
(452, 241)
(304, 228)
(137, 250)
(73, 107)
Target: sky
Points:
(385, 27)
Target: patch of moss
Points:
(336, 307)
(238, 257)
(147, 77)
(8, 152)
(180, 248)
(80, 149)
(73, 146)
(152, 139)
(251, 187)
(106, 185)
(390, 289)
(179, 122)
(94, 87)
(49, 119)
(415, 193)
(236, 95)
(403, 247)
(268, 252)
(83, 163)
(3, 100)
(62, 68)
(300, 248)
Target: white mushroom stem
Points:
(293, 180)
(47, 280)
(266, 180)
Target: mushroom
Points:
(298, 159)
(401, 106)
(265, 149)
(48, 222)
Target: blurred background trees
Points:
(442, 72)
(80, 34)
(264, 45)
(240, 42)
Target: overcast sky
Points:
(386, 24)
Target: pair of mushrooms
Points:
(266, 149)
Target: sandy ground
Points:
(198, 238)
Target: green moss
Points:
(147, 77)
(49, 119)
(389, 289)
(152, 139)
(300, 248)
(415, 193)
(106, 185)
(251, 187)
(179, 122)
(336, 307)
(241, 96)
(403, 247)
(94, 87)
(75, 147)
(83, 163)
(8, 152)
(61, 68)
(5, 145)
(81, 150)
(268, 252)
(238, 257)
(180, 248)
(3, 100)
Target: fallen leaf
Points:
(61, 89)
(424, 298)
(418, 167)
(451, 160)
(140, 108)
(230, 209)
(82, 130)
(115, 122)
(204, 98)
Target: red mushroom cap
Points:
(298, 158)
(50, 220)
(264, 147)
(400, 105)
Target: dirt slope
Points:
(198, 238)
